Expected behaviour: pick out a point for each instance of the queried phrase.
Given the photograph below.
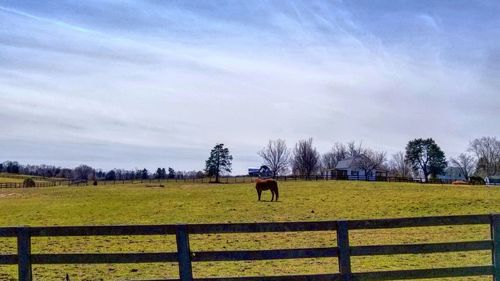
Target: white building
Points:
(350, 169)
(452, 173)
(492, 180)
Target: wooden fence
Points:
(226, 180)
(343, 251)
(20, 184)
(247, 179)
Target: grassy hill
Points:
(203, 203)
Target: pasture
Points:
(209, 203)
(10, 178)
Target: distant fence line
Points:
(20, 184)
(227, 180)
(234, 180)
(342, 249)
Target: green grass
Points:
(204, 203)
(3, 179)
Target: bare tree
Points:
(83, 172)
(465, 163)
(370, 161)
(330, 159)
(487, 150)
(328, 162)
(306, 159)
(400, 166)
(354, 150)
(276, 156)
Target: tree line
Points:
(422, 158)
(86, 172)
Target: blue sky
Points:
(132, 84)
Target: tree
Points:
(399, 166)
(369, 161)
(337, 153)
(306, 159)
(426, 156)
(487, 150)
(100, 174)
(11, 167)
(83, 172)
(218, 162)
(157, 175)
(160, 173)
(144, 174)
(353, 149)
(111, 175)
(465, 163)
(328, 162)
(64, 173)
(171, 173)
(276, 156)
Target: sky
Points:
(147, 84)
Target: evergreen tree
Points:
(218, 162)
(160, 173)
(426, 156)
(144, 174)
(111, 175)
(171, 173)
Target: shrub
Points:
(476, 180)
(29, 182)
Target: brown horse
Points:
(268, 184)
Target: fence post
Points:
(24, 254)
(184, 254)
(495, 236)
(344, 251)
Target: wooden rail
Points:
(21, 185)
(226, 180)
(343, 251)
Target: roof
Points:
(344, 164)
(452, 173)
(353, 164)
(349, 163)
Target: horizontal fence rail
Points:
(342, 250)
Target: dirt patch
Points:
(7, 195)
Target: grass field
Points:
(203, 203)
(18, 178)
(2, 179)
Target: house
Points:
(253, 172)
(492, 180)
(262, 172)
(350, 168)
(452, 174)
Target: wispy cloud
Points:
(162, 82)
(46, 20)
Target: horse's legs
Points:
(259, 192)
(272, 195)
